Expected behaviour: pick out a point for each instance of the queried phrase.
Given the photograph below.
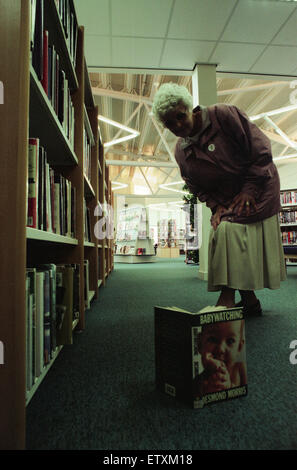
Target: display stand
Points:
(132, 243)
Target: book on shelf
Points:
(288, 197)
(46, 62)
(51, 197)
(33, 170)
(30, 327)
(37, 47)
(200, 357)
(52, 303)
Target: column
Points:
(204, 89)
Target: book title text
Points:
(220, 316)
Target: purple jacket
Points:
(230, 155)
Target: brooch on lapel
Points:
(211, 147)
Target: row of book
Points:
(47, 65)
(51, 197)
(289, 238)
(52, 293)
(52, 306)
(70, 26)
(288, 197)
(288, 217)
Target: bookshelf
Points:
(29, 112)
(133, 244)
(288, 224)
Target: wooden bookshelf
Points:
(288, 224)
(29, 113)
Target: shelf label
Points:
(1, 353)
(1, 93)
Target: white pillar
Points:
(204, 90)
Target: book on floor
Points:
(200, 357)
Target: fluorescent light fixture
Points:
(274, 111)
(285, 157)
(281, 133)
(132, 132)
(118, 185)
(165, 186)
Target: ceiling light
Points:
(273, 112)
(165, 186)
(283, 157)
(119, 185)
(132, 132)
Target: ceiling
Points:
(133, 46)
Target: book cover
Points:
(200, 357)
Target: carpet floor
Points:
(100, 392)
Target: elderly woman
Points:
(226, 162)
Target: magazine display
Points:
(200, 357)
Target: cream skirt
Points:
(246, 257)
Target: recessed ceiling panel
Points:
(98, 50)
(257, 21)
(199, 19)
(136, 52)
(179, 54)
(277, 60)
(288, 33)
(140, 17)
(94, 15)
(236, 57)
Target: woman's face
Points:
(180, 121)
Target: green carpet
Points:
(100, 393)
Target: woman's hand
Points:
(244, 202)
(216, 218)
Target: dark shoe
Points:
(251, 310)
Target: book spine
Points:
(47, 318)
(39, 322)
(44, 80)
(32, 212)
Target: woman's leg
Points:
(227, 297)
(248, 297)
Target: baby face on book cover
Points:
(220, 346)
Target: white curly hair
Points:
(168, 97)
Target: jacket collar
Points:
(205, 123)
